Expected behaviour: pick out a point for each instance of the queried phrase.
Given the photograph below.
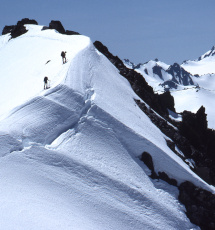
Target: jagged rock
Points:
(158, 71)
(147, 159)
(45, 28)
(194, 127)
(167, 101)
(57, 26)
(27, 21)
(69, 32)
(7, 29)
(19, 28)
(180, 75)
(163, 176)
(18, 31)
(169, 85)
(200, 205)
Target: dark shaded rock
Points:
(169, 85)
(146, 71)
(167, 101)
(180, 75)
(165, 177)
(69, 32)
(194, 127)
(7, 29)
(18, 31)
(57, 26)
(158, 71)
(27, 21)
(147, 159)
(45, 28)
(200, 205)
(204, 173)
(19, 28)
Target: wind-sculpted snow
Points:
(69, 155)
(48, 116)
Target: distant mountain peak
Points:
(210, 53)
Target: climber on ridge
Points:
(63, 55)
(46, 83)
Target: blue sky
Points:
(139, 30)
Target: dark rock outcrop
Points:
(69, 32)
(27, 21)
(200, 205)
(57, 25)
(167, 101)
(194, 127)
(180, 75)
(147, 159)
(7, 29)
(158, 71)
(18, 29)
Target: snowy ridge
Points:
(70, 156)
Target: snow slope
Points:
(69, 155)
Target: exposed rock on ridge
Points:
(139, 85)
(18, 29)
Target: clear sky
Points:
(140, 30)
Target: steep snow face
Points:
(69, 155)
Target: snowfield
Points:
(69, 155)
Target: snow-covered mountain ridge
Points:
(70, 155)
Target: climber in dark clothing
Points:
(63, 55)
(46, 83)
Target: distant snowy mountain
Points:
(163, 77)
(193, 81)
(89, 152)
(203, 65)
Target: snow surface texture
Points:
(69, 155)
